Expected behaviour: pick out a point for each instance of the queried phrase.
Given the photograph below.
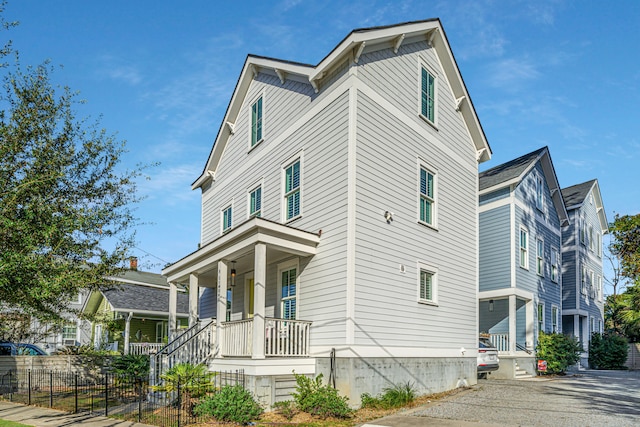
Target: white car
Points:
(488, 360)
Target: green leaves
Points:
(625, 231)
(560, 351)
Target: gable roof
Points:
(385, 36)
(514, 171)
(144, 299)
(575, 196)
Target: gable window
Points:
(554, 319)
(583, 280)
(226, 217)
(255, 202)
(555, 257)
(427, 285)
(288, 296)
(524, 248)
(427, 197)
(540, 317)
(292, 190)
(256, 122)
(540, 258)
(428, 95)
(539, 193)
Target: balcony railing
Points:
(283, 338)
(500, 341)
(238, 338)
(145, 348)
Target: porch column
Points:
(193, 299)
(173, 308)
(221, 308)
(512, 323)
(259, 281)
(127, 331)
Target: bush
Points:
(319, 400)
(133, 365)
(230, 404)
(286, 408)
(560, 351)
(607, 351)
(391, 397)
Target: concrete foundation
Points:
(508, 363)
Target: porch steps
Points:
(521, 374)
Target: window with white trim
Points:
(583, 280)
(540, 317)
(540, 257)
(554, 319)
(427, 196)
(583, 231)
(555, 268)
(70, 331)
(256, 122)
(592, 242)
(288, 293)
(226, 216)
(592, 326)
(598, 243)
(229, 304)
(599, 288)
(592, 285)
(428, 95)
(539, 193)
(255, 202)
(524, 248)
(292, 196)
(427, 285)
(600, 326)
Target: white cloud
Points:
(511, 73)
(116, 69)
(172, 185)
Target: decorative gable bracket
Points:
(397, 43)
(358, 54)
(281, 74)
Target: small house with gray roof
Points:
(133, 315)
(582, 292)
(521, 212)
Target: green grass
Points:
(5, 423)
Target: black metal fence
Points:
(118, 396)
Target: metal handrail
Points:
(523, 348)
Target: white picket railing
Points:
(288, 338)
(145, 348)
(238, 338)
(500, 341)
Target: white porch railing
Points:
(283, 338)
(145, 348)
(238, 338)
(500, 341)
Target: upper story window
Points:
(592, 285)
(428, 93)
(255, 202)
(583, 280)
(592, 242)
(292, 190)
(256, 122)
(539, 193)
(583, 230)
(226, 217)
(555, 261)
(599, 288)
(540, 317)
(540, 257)
(524, 248)
(427, 197)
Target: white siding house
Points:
(339, 219)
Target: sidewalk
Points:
(44, 417)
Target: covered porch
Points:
(506, 316)
(243, 290)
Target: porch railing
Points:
(238, 338)
(500, 341)
(288, 338)
(145, 348)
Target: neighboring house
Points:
(133, 315)
(339, 220)
(582, 296)
(520, 287)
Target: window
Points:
(598, 244)
(540, 317)
(427, 197)
(524, 251)
(229, 301)
(540, 258)
(592, 325)
(69, 331)
(599, 288)
(428, 95)
(583, 232)
(256, 122)
(539, 193)
(592, 243)
(288, 294)
(600, 326)
(555, 258)
(226, 218)
(592, 285)
(292, 190)
(554, 319)
(427, 291)
(583, 280)
(255, 202)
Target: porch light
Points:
(233, 273)
(490, 305)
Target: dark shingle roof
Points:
(128, 297)
(576, 194)
(508, 171)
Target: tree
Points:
(66, 215)
(625, 233)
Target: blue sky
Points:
(160, 73)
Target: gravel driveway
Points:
(585, 398)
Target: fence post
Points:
(50, 389)
(179, 401)
(28, 386)
(11, 386)
(140, 394)
(75, 390)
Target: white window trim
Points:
(539, 193)
(526, 258)
(422, 164)
(250, 190)
(583, 231)
(421, 266)
(557, 318)
(599, 243)
(71, 322)
(284, 266)
(422, 64)
(283, 174)
(591, 239)
(555, 253)
(599, 288)
(543, 327)
(583, 280)
(255, 99)
(540, 258)
(592, 285)
(224, 208)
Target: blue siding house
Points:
(582, 293)
(521, 213)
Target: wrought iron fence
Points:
(124, 397)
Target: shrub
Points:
(286, 408)
(391, 397)
(560, 351)
(193, 381)
(134, 365)
(319, 400)
(607, 351)
(230, 404)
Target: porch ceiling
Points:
(279, 238)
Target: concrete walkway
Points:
(44, 417)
